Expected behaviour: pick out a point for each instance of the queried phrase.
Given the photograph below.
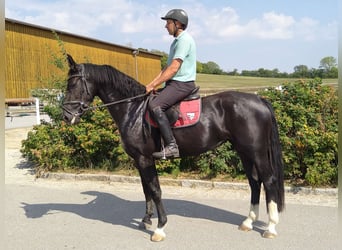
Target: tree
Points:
(333, 73)
(327, 63)
(211, 68)
(233, 73)
(199, 67)
(301, 71)
(329, 67)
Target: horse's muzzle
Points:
(71, 118)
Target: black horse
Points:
(246, 120)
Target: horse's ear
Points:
(71, 62)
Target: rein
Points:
(85, 109)
(129, 99)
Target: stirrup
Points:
(163, 155)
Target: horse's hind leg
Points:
(272, 208)
(253, 214)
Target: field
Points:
(214, 83)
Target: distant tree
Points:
(233, 73)
(329, 66)
(248, 73)
(314, 73)
(265, 73)
(163, 61)
(199, 67)
(275, 73)
(211, 68)
(301, 71)
(327, 63)
(284, 75)
(333, 73)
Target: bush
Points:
(306, 112)
(94, 143)
(220, 161)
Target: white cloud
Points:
(226, 24)
(275, 26)
(212, 26)
(133, 18)
(83, 17)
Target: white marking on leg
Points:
(252, 216)
(273, 217)
(159, 234)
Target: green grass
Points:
(214, 83)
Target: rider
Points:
(179, 76)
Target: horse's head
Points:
(78, 94)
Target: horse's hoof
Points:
(244, 228)
(269, 235)
(158, 235)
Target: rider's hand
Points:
(149, 88)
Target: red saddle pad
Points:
(189, 114)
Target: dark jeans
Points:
(173, 92)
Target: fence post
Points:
(37, 111)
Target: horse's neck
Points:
(126, 114)
(120, 112)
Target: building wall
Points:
(29, 50)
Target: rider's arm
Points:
(165, 75)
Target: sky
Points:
(235, 34)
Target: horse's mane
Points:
(117, 80)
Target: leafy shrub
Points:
(94, 143)
(220, 161)
(306, 112)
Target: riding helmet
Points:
(178, 15)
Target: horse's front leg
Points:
(146, 221)
(151, 186)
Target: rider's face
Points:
(170, 26)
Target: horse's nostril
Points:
(67, 118)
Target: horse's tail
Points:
(276, 158)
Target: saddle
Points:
(183, 114)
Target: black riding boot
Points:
(171, 148)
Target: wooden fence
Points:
(29, 49)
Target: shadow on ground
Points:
(111, 209)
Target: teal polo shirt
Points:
(184, 48)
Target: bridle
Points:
(84, 107)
